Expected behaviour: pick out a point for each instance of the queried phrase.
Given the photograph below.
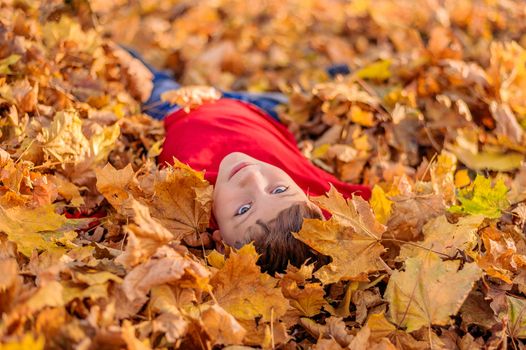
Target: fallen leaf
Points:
(263, 299)
(165, 266)
(6, 62)
(308, 299)
(181, 200)
(144, 236)
(378, 70)
(115, 184)
(381, 205)
(429, 291)
(516, 317)
(37, 228)
(501, 258)
(191, 97)
(28, 341)
(482, 198)
(354, 253)
(222, 327)
(444, 238)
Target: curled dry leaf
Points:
(145, 236)
(166, 266)
(190, 97)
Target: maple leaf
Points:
(502, 258)
(516, 317)
(144, 236)
(442, 237)
(260, 298)
(65, 141)
(38, 228)
(429, 291)
(181, 200)
(165, 266)
(190, 97)
(309, 299)
(482, 198)
(413, 206)
(115, 184)
(354, 212)
(354, 254)
(221, 327)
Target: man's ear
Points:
(216, 237)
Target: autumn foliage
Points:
(101, 249)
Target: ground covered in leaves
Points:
(100, 249)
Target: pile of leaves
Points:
(100, 248)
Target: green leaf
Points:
(481, 198)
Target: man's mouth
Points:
(237, 168)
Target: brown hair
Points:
(275, 242)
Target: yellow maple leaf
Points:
(308, 299)
(259, 298)
(355, 213)
(181, 200)
(37, 228)
(354, 254)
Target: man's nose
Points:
(253, 178)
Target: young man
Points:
(262, 181)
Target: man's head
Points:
(257, 201)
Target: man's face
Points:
(248, 190)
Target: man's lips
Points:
(238, 168)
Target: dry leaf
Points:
(429, 291)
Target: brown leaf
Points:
(144, 236)
(221, 326)
(501, 259)
(165, 266)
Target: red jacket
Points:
(203, 136)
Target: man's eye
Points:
(280, 189)
(243, 209)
